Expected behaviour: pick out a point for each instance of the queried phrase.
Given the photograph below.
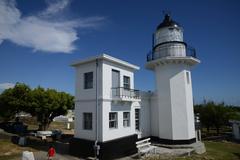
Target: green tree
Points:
(215, 115)
(220, 116)
(14, 100)
(207, 115)
(47, 104)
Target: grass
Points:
(223, 150)
(10, 151)
(218, 151)
(215, 151)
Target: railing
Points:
(190, 52)
(197, 121)
(121, 92)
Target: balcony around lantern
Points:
(125, 94)
(190, 52)
(171, 53)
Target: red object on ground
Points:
(51, 152)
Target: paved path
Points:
(41, 155)
(173, 152)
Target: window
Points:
(87, 121)
(137, 119)
(126, 119)
(88, 80)
(126, 82)
(115, 78)
(113, 120)
(188, 77)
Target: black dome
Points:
(167, 22)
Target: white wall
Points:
(120, 131)
(176, 118)
(154, 115)
(87, 94)
(118, 106)
(86, 102)
(107, 77)
(164, 104)
(189, 104)
(80, 108)
(236, 130)
(145, 115)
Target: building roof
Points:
(235, 122)
(167, 22)
(107, 58)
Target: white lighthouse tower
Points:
(171, 60)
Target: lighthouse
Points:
(112, 116)
(171, 60)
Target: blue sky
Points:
(39, 39)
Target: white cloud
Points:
(4, 86)
(54, 6)
(39, 32)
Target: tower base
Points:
(197, 147)
(173, 142)
(116, 148)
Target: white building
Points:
(235, 129)
(111, 113)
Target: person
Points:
(51, 153)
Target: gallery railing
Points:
(190, 52)
(122, 92)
